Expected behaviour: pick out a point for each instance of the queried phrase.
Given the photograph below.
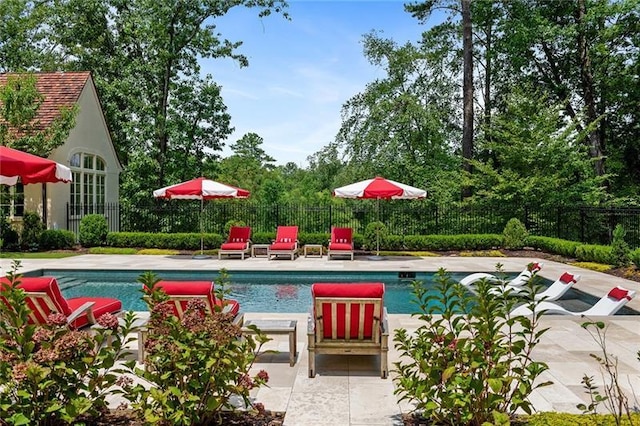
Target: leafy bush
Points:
(93, 230)
(472, 361)
(595, 253)
(32, 228)
(451, 242)
(515, 234)
(57, 239)
(194, 365)
(634, 256)
(619, 247)
(8, 235)
(50, 373)
(375, 235)
(233, 222)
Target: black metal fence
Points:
(586, 224)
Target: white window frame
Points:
(88, 190)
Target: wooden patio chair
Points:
(238, 242)
(43, 297)
(348, 319)
(341, 242)
(285, 244)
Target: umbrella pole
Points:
(378, 228)
(201, 227)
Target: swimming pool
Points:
(268, 291)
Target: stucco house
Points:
(88, 151)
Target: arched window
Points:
(88, 185)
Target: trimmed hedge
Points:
(183, 241)
(57, 239)
(595, 253)
(553, 245)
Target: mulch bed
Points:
(128, 418)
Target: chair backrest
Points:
(612, 302)
(345, 311)
(286, 234)
(181, 292)
(239, 234)
(43, 297)
(341, 235)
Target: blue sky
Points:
(302, 71)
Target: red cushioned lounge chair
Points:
(44, 298)
(238, 242)
(286, 242)
(348, 319)
(181, 292)
(341, 242)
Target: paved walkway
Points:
(347, 390)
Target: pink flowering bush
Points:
(51, 374)
(195, 364)
(469, 362)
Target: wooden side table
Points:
(273, 326)
(310, 249)
(262, 248)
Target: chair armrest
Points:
(311, 323)
(384, 324)
(85, 307)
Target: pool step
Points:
(69, 282)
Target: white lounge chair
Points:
(520, 280)
(607, 305)
(554, 292)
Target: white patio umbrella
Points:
(379, 188)
(200, 189)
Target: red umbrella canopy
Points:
(200, 189)
(29, 168)
(379, 187)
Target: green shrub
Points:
(619, 247)
(51, 374)
(472, 361)
(194, 366)
(9, 236)
(515, 234)
(634, 256)
(32, 228)
(179, 241)
(595, 253)
(553, 245)
(93, 230)
(57, 239)
(375, 236)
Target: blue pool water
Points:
(255, 291)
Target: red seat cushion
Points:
(234, 246)
(567, 278)
(340, 246)
(282, 246)
(102, 305)
(350, 291)
(619, 293)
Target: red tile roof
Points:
(60, 89)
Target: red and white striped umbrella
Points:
(29, 168)
(379, 188)
(200, 189)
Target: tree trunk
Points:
(467, 92)
(596, 145)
